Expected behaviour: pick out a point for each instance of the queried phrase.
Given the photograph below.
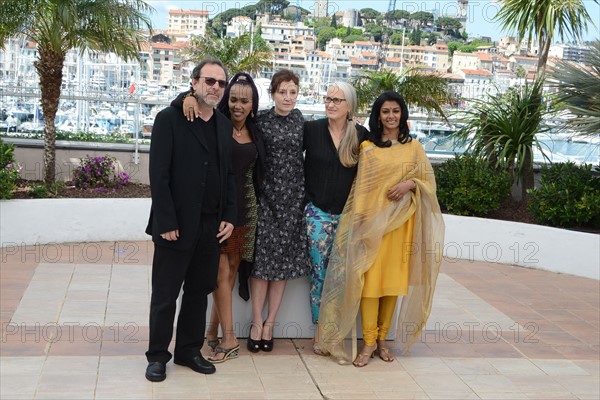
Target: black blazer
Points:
(178, 167)
(259, 167)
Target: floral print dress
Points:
(280, 251)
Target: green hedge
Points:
(568, 196)
(467, 185)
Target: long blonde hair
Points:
(348, 149)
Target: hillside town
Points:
(485, 69)
(103, 93)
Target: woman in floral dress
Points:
(280, 251)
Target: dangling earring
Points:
(349, 117)
(251, 114)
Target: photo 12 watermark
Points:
(90, 253)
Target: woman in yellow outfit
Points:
(389, 241)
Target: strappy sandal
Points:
(319, 351)
(384, 354)
(212, 343)
(229, 354)
(363, 358)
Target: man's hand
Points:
(191, 108)
(170, 236)
(225, 229)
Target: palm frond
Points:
(503, 128)
(429, 91)
(578, 87)
(541, 19)
(234, 53)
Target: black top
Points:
(327, 181)
(244, 157)
(210, 202)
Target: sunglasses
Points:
(212, 81)
(336, 100)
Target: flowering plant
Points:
(100, 173)
(8, 180)
(9, 170)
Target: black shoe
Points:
(156, 371)
(266, 345)
(253, 345)
(196, 363)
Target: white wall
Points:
(28, 222)
(526, 245)
(96, 220)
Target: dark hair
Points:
(283, 75)
(206, 61)
(241, 78)
(375, 126)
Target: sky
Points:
(480, 21)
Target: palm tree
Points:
(541, 19)
(238, 54)
(579, 88)
(58, 26)
(502, 129)
(429, 91)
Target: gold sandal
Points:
(363, 358)
(384, 354)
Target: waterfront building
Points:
(190, 22)
(462, 60)
(567, 52)
(239, 26)
(478, 83)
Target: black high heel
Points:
(267, 345)
(253, 346)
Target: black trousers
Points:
(197, 270)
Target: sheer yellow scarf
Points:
(368, 215)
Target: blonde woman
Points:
(331, 146)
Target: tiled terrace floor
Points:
(74, 325)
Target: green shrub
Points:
(39, 191)
(43, 191)
(9, 170)
(467, 185)
(7, 153)
(99, 173)
(568, 196)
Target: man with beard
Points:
(193, 207)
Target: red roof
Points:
(484, 56)
(358, 61)
(476, 72)
(164, 46)
(188, 12)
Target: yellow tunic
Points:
(388, 276)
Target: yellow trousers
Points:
(376, 316)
